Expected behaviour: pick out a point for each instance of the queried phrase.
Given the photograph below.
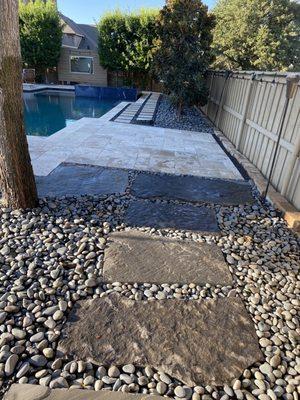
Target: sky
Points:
(89, 11)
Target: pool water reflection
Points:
(48, 112)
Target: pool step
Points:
(127, 115)
(147, 113)
(142, 111)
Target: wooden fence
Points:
(248, 108)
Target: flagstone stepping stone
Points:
(37, 392)
(76, 180)
(192, 189)
(134, 256)
(198, 342)
(176, 216)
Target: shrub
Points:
(256, 34)
(126, 40)
(40, 35)
(182, 52)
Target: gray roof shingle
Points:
(89, 33)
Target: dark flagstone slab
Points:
(207, 342)
(134, 256)
(175, 216)
(77, 180)
(192, 188)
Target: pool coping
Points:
(36, 87)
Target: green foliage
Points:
(182, 52)
(40, 35)
(126, 40)
(256, 34)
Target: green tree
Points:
(256, 34)
(126, 40)
(40, 35)
(182, 52)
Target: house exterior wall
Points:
(99, 76)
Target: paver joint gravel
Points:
(134, 256)
(210, 341)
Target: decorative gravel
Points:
(190, 119)
(52, 257)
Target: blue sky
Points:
(86, 11)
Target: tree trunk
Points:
(16, 174)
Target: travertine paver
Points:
(147, 113)
(38, 392)
(134, 256)
(163, 215)
(192, 189)
(76, 180)
(97, 141)
(208, 341)
(128, 114)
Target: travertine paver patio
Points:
(105, 143)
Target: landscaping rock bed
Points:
(191, 119)
(52, 256)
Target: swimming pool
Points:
(48, 112)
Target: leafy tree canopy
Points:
(256, 34)
(126, 40)
(182, 52)
(40, 34)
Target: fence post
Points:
(222, 99)
(292, 85)
(209, 77)
(244, 113)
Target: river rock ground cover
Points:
(52, 256)
(190, 119)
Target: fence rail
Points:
(248, 108)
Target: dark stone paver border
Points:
(141, 213)
(78, 179)
(192, 189)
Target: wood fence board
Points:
(250, 114)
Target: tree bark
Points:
(16, 174)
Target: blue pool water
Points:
(48, 112)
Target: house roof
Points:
(89, 33)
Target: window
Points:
(82, 65)
(71, 40)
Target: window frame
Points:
(82, 73)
